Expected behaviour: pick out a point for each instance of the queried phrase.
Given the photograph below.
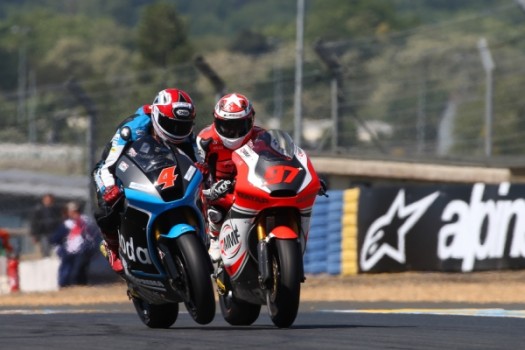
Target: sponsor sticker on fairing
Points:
(189, 174)
(139, 186)
(123, 166)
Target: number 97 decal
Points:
(280, 173)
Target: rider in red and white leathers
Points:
(232, 128)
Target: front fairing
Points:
(272, 171)
(161, 189)
(151, 167)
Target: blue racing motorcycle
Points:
(162, 235)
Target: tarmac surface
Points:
(382, 311)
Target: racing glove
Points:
(323, 189)
(111, 195)
(217, 190)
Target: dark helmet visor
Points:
(175, 127)
(233, 128)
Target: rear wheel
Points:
(284, 294)
(195, 283)
(234, 311)
(156, 316)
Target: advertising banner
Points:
(441, 228)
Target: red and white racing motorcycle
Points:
(264, 235)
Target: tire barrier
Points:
(315, 257)
(323, 251)
(333, 234)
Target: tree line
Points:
(401, 63)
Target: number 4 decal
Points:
(167, 177)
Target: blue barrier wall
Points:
(323, 250)
(315, 258)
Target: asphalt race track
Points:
(318, 326)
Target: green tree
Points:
(162, 38)
(8, 75)
(250, 42)
(337, 19)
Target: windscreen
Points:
(274, 144)
(150, 155)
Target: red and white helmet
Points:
(234, 118)
(172, 115)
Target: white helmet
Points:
(234, 118)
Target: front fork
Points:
(262, 255)
(288, 231)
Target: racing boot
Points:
(214, 226)
(109, 248)
(215, 250)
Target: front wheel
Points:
(195, 283)
(156, 316)
(236, 312)
(284, 293)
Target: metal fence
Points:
(422, 94)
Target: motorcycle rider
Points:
(170, 118)
(233, 127)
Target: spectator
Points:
(5, 247)
(77, 239)
(11, 270)
(46, 218)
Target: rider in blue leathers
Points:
(170, 118)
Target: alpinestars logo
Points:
(377, 243)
